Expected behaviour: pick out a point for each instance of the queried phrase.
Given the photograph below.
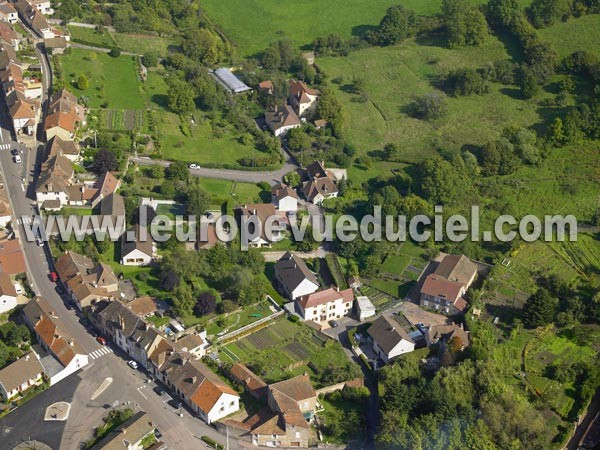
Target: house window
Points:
(425, 303)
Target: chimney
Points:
(27, 357)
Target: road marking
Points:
(4, 146)
(106, 383)
(100, 352)
(141, 393)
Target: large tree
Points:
(539, 310)
(104, 161)
(465, 23)
(397, 24)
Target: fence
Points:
(240, 332)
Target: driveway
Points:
(247, 176)
(414, 314)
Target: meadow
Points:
(113, 82)
(396, 75)
(267, 21)
(582, 33)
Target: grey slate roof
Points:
(292, 271)
(387, 333)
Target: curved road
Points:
(248, 176)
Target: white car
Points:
(194, 166)
(133, 364)
(17, 159)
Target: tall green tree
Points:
(539, 310)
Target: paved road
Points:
(27, 421)
(248, 176)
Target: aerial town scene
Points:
(333, 224)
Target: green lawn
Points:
(92, 37)
(201, 147)
(223, 190)
(240, 319)
(111, 80)
(582, 33)
(143, 43)
(396, 75)
(266, 21)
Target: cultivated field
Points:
(272, 350)
(113, 82)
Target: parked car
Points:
(14, 152)
(101, 340)
(160, 391)
(17, 159)
(53, 277)
(175, 403)
(334, 323)
(194, 166)
(132, 364)
(69, 306)
(157, 433)
(39, 241)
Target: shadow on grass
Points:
(513, 93)
(362, 30)
(512, 45)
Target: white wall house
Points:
(326, 305)
(389, 339)
(293, 277)
(226, 404)
(20, 375)
(79, 361)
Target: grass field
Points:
(271, 350)
(582, 33)
(223, 190)
(143, 43)
(201, 146)
(398, 74)
(92, 37)
(266, 21)
(111, 80)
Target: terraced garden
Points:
(284, 349)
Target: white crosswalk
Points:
(4, 146)
(101, 352)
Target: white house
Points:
(303, 98)
(284, 198)
(42, 6)
(282, 119)
(8, 294)
(139, 249)
(203, 391)
(326, 305)
(293, 277)
(8, 13)
(19, 376)
(195, 344)
(389, 338)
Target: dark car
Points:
(160, 391)
(157, 433)
(83, 321)
(14, 152)
(175, 403)
(334, 324)
(69, 307)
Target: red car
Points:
(101, 340)
(53, 277)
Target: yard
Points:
(122, 119)
(113, 82)
(89, 36)
(238, 193)
(285, 349)
(399, 274)
(199, 143)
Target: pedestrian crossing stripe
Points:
(4, 146)
(100, 352)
